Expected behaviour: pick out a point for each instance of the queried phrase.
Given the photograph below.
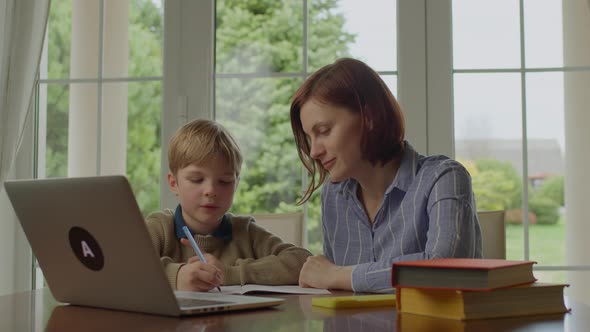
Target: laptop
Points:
(94, 249)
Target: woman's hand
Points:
(319, 272)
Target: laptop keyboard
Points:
(185, 302)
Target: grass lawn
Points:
(547, 247)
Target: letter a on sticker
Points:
(86, 250)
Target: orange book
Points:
(462, 273)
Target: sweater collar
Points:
(223, 231)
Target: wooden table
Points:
(37, 311)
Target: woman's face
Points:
(334, 134)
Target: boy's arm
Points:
(275, 262)
(158, 234)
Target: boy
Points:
(205, 162)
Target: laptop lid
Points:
(94, 249)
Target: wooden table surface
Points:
(37, 311)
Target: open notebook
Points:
(284, 289)
(94, 249)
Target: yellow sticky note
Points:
(355, 301)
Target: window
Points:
(262, 55)
(99, 93)
(509, 120)
(240, 61)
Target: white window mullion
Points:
(189, 49)
(412, 70)
(439, 78)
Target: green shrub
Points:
(546, 210)
(496, 184)
(552, 188)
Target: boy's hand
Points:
(198, 276)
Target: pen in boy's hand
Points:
(191, 239)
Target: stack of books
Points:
(464, 289)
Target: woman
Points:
(383, 202)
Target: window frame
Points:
(425, 77)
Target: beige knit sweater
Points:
(252, 256)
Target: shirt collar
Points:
(223, 231)
(404, 177)
(407, 169)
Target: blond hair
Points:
(200, 140)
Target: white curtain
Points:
(22, 29)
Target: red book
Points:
(462, 273)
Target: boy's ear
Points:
(172, 183)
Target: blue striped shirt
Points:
(427, 212)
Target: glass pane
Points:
(391, 82)
(543, 28)
(488, 142)
(56, 139)
(134, 46)
(551, 277)
(353, 28)
(486, 34)
(255, 37)
(58, 40)
(256, 112)
(144, 143)
(546, 151)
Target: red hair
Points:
(351, 84)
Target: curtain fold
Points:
(22, 30)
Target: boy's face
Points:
(205, 193)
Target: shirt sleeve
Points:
(453, 230)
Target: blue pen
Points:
(190, 237)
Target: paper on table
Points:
(285, 289)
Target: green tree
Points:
(145, 102)
(58, 54)
(258, 37)
(252, 36)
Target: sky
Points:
(486, 35)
